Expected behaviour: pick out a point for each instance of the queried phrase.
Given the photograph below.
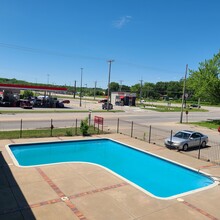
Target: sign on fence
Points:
(99, 121)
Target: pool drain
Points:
(65, 198)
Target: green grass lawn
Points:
(212, 124)
(40, 133)
(163, 108)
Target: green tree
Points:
(161, 88)
(174, 89)
(125, 88)
(28, 93)
(205, 81)
(149, 90)
(136, 89)
(84, 127)
(114, 87)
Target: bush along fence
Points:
(155, 135)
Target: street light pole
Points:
(183, 97)
(109, 75)
(80, 98)
(95, 89)
(85, 91)
(141, 90)
(74, 94)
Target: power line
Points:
(69, 55)
(47, 52)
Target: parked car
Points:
(59, 104)
(185, 139)
(103, 101)
(66, 101)
(26, 104)
(195, 106)
(105, 106)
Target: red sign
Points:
(98, 120)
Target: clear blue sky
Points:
(152, 40)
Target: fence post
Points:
(76, 127)
(98, 128)
(199, 147)
(149, 134)
(89, 118)
(21, 129)
(51, 127)
(132, 126)
(171, 136)
(118, 126)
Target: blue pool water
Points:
(155, 175)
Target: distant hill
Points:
(22, 82)
(70, 89)
(13, 81)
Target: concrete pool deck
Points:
(85, 191)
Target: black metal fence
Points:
(156, 135)
(43, 128)
(150, 134)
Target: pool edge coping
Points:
(215, 180)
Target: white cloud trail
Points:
(120, 23)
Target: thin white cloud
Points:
(122, 22)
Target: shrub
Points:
(69, 133)
(84, 127)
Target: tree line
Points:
(203, 84)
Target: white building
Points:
(123, 98)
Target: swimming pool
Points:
(154, 175)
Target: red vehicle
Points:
(66, 101)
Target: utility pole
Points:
(109, 75)
(85, 93)
(74, 93)
(141, 89)
(95, 90)
(80, 98)
(120, 85)
(183, 97)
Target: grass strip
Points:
(211, 124)
(161, 108)
(40, 133)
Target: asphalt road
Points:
(166, 120)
